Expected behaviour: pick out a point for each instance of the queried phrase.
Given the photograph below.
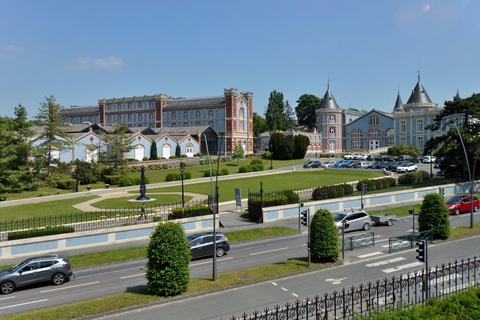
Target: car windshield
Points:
(453, 200)
(339, 217)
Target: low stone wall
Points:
(369, 201)
(78, 240)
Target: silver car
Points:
(354, 220)
(51, 268)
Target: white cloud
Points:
(109, 63)
(84, 63)
(11, 48)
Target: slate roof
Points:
(199, 102)
(80, 111)
(398, 103)
(328, 101)
(419, 95)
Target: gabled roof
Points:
(419, 95)
(381, 113)
(328, 101)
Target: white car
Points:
(407, 167)
(364, 165)
(429, 159)
(328, 164)
(363, 156)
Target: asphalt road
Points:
(120, 277)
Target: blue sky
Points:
(82, 51)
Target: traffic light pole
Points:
(305, 220)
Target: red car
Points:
(461, 203)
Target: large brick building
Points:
(230, 115)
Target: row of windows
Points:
(129, 105)
(131, 117)
(186, 124)
(80, 120)
(198, 114)
(403, 126)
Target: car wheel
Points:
(220, 252)
(457, 212)
(389, 222)
(58, 278)
(366, 226)
(7, 287)
(475, 208)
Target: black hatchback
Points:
(201, 244)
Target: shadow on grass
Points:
(232, 165)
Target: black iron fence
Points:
(85, 221)
(395, 293)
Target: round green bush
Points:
(323, 237)
(434, 215)
(172, 177)
(256, 161)
(168, 255)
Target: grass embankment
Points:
(123, 203)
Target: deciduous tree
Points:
(305, 109)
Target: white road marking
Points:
(284, 289)
(370, 254)
(335, 281)
(133, 275)
(295, 295)
(253, 254)
(405, 266)
(384, 262)
(274, 283)
(23, 304)
(10, 297)
(69, 287)
(386, 246)
(208, 262)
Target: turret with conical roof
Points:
(398, 103)
(328, 100)
(419, 99)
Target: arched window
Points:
(374, 133)
(331, 131)
(373, 121)
(331, 118)
(357, 139)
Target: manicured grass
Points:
(464, 231)
(123, 203)
(276, 182)
(141, 297)
(42, 209)
(399, 211)
(252, 234)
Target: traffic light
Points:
(442, 192)
(411, 211)
(364, 188)
(421, 250)
(304, 217)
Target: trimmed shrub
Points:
(113, 179)
(39, 232)
(3, 198)
(254, 204)
(67, 184)
(187, 175)
(126, 181)
(410, 178)
(224, 172)
(292, 197)
(243, 169)
(168, 257)
(257, 161)
(196, 211)
(164, 166)
(434, 216)
(198, 154)
(323, 237)
(173, 157)
(424, 174)
(183, 155)
(138, 181)
(206, 173)
(172, 177)
(145, 158)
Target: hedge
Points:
(335, 191)
(251, 168)
(195, 211)
(67, 184)
(254, 204)
(39, 232)
(113, 179)
(413, 177)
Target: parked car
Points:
(388, 158)
(461, 203)
(328, 164)
(404, 157)
(363, 165)
(353, 164)
(362, 156)
(439, 160)
(375, 165)
(428, 159)
(393, 167)
(374, 157)
(49, 268)
(354, 220)
(201, 244)
(417, 159)
(407, 167)
(312, 164)
(351, 156)
(341, 164)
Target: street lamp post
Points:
(182, 169)
(470, 176)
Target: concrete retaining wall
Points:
(78, 240)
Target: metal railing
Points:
(85, 221)
(408, 241)
(392, 294)
(358, 241)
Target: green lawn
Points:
(281, 181)
(42, 209)
(123, 203)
